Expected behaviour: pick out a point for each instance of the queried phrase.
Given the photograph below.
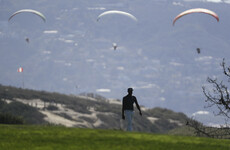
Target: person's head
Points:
(130, 91)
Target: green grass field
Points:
(25, 137)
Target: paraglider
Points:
(28, 11)
(198, 50)
(111, 12)
(114, 46)
(27, 40)
(118, 13)
(196, 10)
(20, 69)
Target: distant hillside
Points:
(86, 110)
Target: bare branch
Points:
(218, 97)
(226, 70)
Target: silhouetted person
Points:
(198, 50)
(127, 108)
(114, 46)
(27, 40)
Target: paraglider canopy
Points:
(20, 69)
(111, 12)
(28, 11)
(196, 10)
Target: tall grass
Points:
(25, 137)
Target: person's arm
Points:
(123, 115)
(138, 107)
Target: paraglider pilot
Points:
(198, 50)
(114, 46)
(27, 40)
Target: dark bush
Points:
(52, 108)
(30, 114)
(7, 118)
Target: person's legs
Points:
(129, 117)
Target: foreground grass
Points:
(21, 137)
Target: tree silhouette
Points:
(218, 97)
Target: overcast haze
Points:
(72, 52)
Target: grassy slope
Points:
(18, 137)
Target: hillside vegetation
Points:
(21, 137)
(88, 111)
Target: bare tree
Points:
(218, 97)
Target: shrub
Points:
(7, 118)
(52, 108)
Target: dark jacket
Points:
(128, 101)
(127, 104)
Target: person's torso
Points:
(128, 102)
